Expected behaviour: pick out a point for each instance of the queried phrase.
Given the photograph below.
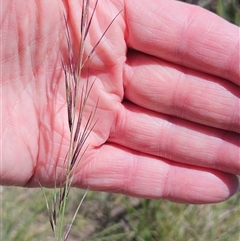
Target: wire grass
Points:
(77, 94)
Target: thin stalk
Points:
(75, 215)
(79, 132)
(75, 120)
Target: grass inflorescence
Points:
(77, 95)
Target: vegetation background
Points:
(110, 217)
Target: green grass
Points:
(110, 217)
(230, 10)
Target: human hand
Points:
(168, 113)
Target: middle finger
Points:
(174, 90)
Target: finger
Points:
(176, 139)
(163, 87)
(186, 35)
(124, 171)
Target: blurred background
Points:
(110, 217)
(228, 9)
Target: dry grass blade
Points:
(90, 21)
(75, 215)
(98, 42)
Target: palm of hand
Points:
(123, 153)
(37, 112)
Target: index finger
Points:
(184, 34)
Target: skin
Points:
(167, 78)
